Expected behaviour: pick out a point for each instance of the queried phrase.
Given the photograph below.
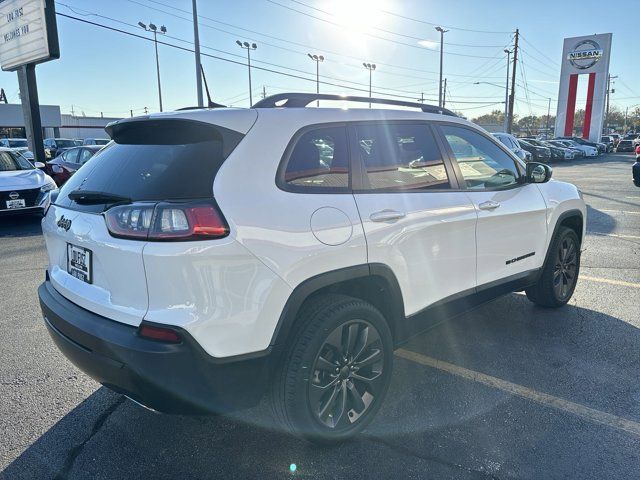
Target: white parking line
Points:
(614, 235)
(582, 411)
(624, 212)
(609, 281)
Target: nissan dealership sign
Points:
(588, 58)
(28, 33)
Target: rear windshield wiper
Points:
(88, 197)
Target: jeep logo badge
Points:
(585, 54)
(14, 195)
(64, 223)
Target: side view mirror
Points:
(39, 165)
(56, 169)
(538, 172)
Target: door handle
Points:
(386, 215)
(489, 205)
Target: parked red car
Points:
(64, 165)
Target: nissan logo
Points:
(64, 223)
(585, 54)
(14, 195)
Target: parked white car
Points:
(586, 149)
(208, 257)
(23, 187)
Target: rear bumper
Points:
(168, 377)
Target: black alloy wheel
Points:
(346, 375)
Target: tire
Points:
(318, 394)
(560, 272)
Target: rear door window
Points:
(155, 160)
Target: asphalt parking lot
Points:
(509, 390)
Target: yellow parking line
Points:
(626, 212)
(582, 411)
(609, 281)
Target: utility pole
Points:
(506, 92)
(421, 99)
(512, 98)
(442, 32)
(371, 67)
(548, 117)
(609, 91)
(131, 112)
(264, 92)
(196, 42)
(248, 47)
(444, 93)
(626, 112)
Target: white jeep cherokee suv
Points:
(209, 256)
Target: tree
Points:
(496, 117)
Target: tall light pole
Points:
(196, 42)
(248, 47)
(154, 29)
(317, 59)
(506, 92)
(442, 32)
(371, 67)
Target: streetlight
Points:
(152, 28)
(317, 59)
(506, 92)
(248, 47)
(442, 32)
(371, 67)
(506, 100)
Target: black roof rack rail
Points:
(300, 100)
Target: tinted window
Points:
(62, 143)
(155, 160)
(400, 157)
(10, 162)
(71, 156)
(85, 154)
(482, 163)
(319, 159)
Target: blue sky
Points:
(104, 71)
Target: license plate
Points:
(79, 262)
(19, 203)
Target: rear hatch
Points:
(153, 161)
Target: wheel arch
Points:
(573, 219)
(374, 283)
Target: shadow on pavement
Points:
(600, 222)
(432, 425)
(20, 225)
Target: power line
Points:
(242, 63)
(371, 34)
(540, 52)
(387, 31)
(449, 27)
(290, 42)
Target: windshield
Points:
(61, 143)
(18, 143)
(11, 163)
(101, 141)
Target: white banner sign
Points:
(27, 33)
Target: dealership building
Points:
(54, 124)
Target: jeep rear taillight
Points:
(167, 221)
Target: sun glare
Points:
(359, 15)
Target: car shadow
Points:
(431, 424)
(20, 225)
(599, 221)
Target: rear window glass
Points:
(154, 160)
(319, 159)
